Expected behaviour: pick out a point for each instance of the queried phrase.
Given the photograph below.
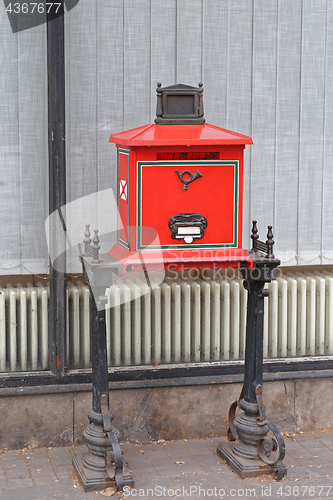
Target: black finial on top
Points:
(180, 104)
(269, 242)
(254, 235)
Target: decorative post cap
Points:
(180, 104)
(95, 247)
(87, 240)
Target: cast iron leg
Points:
(251, 451)
(248, 431)
(103, 465)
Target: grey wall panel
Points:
(266, 69)
(189, 41)
(10, 224)
(239, 67)
(23, 150)
(239, 91)
(327, 219)
(32, 87)
(214, 61)
(311, 130)
(67, 35)
(81, 145)
(110, 91)
(264, 113)
(81, 28)
(137, 56)
(163, 46)
(288, 72)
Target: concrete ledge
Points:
(152, 413)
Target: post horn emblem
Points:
(191, 178)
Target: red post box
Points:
(180, 188)
(179, 199)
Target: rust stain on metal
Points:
(57, 361)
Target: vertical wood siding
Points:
(267, 68)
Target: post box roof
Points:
(179, 135)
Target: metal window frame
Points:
(225, 372)
(57, 189)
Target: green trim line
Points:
(236, 193)
(141, 164)
(123, 243)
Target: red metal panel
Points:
(176, 135)
(155, 193)
(181, 259)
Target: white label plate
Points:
(189, 230)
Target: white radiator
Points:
(178, 321)
(299, 316)
(24, 338)
(205, 320)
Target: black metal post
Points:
(103, 465)
(251, 451)
(57, 189)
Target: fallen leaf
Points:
(161, 441)
(289, 435)
(108, 492)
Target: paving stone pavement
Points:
(175, 469)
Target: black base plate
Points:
(92, 480)
(243, 467)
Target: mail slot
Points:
(187, 227)
(183, 178)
